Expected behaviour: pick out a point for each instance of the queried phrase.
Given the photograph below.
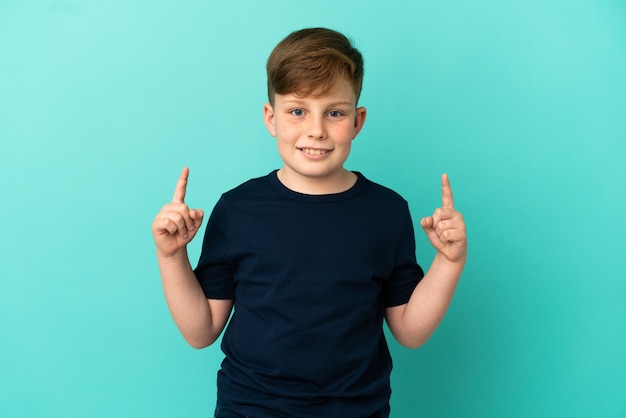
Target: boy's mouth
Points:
(313, 151)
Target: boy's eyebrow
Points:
(346, 103)
(339, 103)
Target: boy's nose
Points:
(317, 128)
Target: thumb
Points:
(196, 214)
(427, 224)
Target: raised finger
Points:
(447, 201)
(181, 187)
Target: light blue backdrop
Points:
(523, 103)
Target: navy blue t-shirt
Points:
(311, 276)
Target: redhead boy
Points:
(309, 259)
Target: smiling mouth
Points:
(312, 151)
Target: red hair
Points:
(312, 61)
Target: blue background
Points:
(523, 103)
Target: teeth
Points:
(314, 151)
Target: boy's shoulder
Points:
(380, 190)
(253, 185)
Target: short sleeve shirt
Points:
(310, 276)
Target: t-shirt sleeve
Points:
(214, 271)
(406, 273)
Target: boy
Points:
(312, 256)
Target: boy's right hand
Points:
(176, 225)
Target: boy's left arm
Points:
(414, 322)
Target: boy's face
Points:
(314, 134)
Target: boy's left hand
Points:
(446, 228)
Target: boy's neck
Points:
(338, 183)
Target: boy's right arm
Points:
(200, 320)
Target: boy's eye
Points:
(297, 112)
(334, 113)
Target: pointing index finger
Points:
(181, 187)
(447, 201)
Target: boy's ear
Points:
(359, 120)
(268, 118)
